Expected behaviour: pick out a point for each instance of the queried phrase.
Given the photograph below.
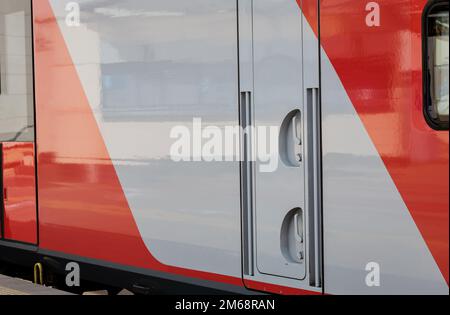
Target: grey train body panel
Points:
(365, 218)
(271, 32)
(177, 63)
(149, 67)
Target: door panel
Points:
(19, 193)
(141, 79)
(278, 82)
(281, 199)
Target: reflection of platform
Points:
(12, 286)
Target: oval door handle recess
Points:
(293, 237)
(291, 139)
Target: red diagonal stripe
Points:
(381, 70)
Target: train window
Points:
(436, 53)
(16, 68)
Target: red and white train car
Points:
(92, 93)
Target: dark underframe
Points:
(138, 280)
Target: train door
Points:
(18, 213)
(279, 84)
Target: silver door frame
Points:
(313, 154)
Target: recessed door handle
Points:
(299, 234)
(298, 136)
(299, 227)
(297, 125)
(291, 139)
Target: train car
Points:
(240, 146)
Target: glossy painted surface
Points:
(19, 186)
(110, 186)
(142, 78)
(108, 190)
(278, 84)
(276, 80)
(386, 171)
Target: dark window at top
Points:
(436, 53)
